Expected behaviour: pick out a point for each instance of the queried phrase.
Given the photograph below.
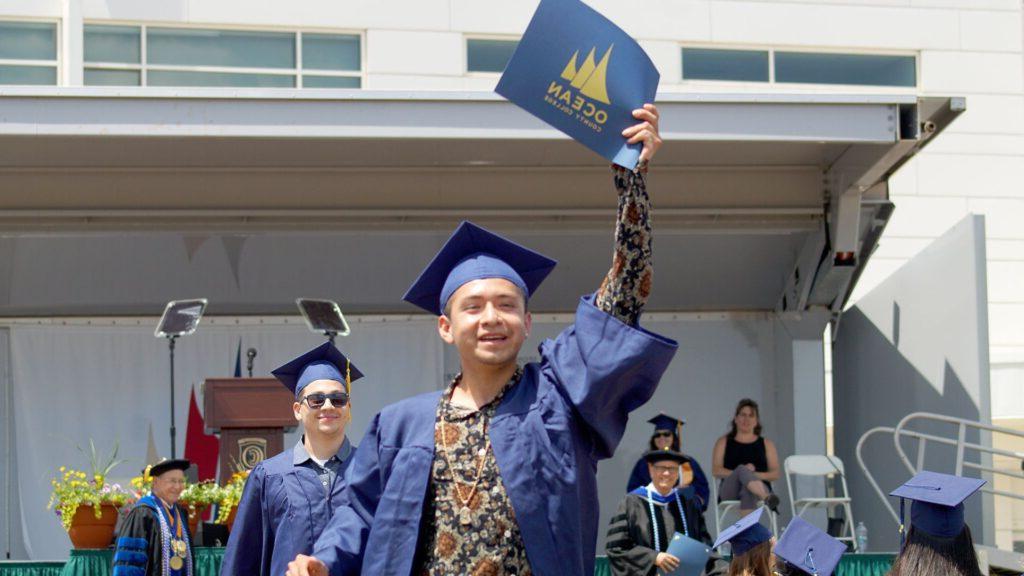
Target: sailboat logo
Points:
(590, 78)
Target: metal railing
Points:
(960, 443)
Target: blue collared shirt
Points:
(330, 470)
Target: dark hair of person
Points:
(746, 402)
(675, 441)
(925, 554)
(755, 562)
(783, 568)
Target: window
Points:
(855, 69)
(488, 55)
(161, 56)
(778, 67)
(711, 64)
(28, 53)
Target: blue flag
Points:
(580, 73)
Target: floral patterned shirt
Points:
(483, 539)
(469, 525)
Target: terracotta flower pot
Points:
(195, 517)
(87, 531)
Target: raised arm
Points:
(625, 288)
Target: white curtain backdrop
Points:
(110, 383)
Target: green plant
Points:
(74, 488)
(231, 495)
(200, 495)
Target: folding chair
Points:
(726, 507)
(820, 466)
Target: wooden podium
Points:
(251, 415)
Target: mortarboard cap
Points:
(325, 362)
(166, 465)
(666, 422)
(745, 534)
(472, 253)
(808, 548)
(665, 454)
(937, 501)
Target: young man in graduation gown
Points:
(154, 539)
(645, 521)
(289, 499)
(496, 474)
(668, 434)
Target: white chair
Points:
(820, 466)
(726, 507)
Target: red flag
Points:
(200, 448)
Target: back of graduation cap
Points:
(745, 534)
(807, 548)
(325, 362)
(473, 253)
(665, 422)
(937, 506)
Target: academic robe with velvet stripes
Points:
(630, 541)
(567, 412)
(283, 510)
(137, 548)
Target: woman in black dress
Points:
(745, 462)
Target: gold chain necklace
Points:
(464, 514)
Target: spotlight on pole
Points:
(323, 317)
(180, 318)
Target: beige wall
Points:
(1009, 512)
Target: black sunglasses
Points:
(662, 434)
(316, 399)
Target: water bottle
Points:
(862, 538)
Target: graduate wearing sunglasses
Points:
(289, 499)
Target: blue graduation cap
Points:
(937, 506)
(806, 547)
(325, 362)
(745, 534)
(473, 253)
(665, 422)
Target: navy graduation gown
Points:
(567, 412)
(282, 512)
(641, 477)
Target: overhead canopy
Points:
(372, 182)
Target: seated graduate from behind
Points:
(668, 434)
(288, 499)
(806, 550)
(497, 473)
(154, 539)
(641, 528)
(939, 540)
(751, 546)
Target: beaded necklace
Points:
(654, 519)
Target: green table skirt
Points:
(208, 560)
(97, 563)
(850, 565)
